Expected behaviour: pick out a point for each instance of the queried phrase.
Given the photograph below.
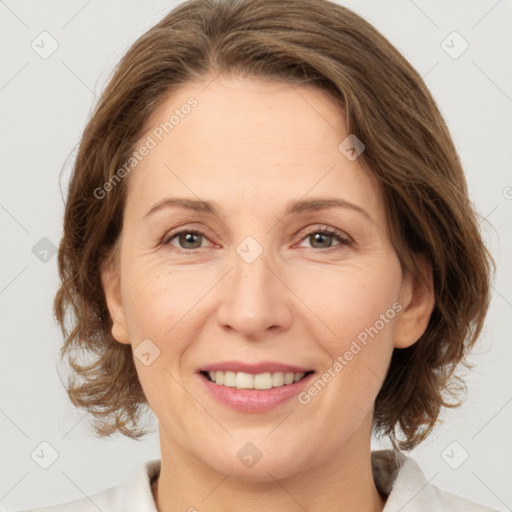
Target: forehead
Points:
(239, 141)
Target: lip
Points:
(254, 368)
(254, 400)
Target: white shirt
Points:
(397, 476)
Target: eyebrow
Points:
(294, 206)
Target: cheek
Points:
(166, 304)
(353, 301)
(358, 308)
(158, 304)
(152, 297)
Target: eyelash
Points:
(338, 235)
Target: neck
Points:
(343, 483)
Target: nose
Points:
(255, 301)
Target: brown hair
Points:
(408, 149)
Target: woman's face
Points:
(256, 277)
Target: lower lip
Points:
(255, 400)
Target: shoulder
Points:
(449, 501)
(401, 479)
(108, 500)
(134, 495)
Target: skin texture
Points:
(253, 146)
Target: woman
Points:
(268, 241)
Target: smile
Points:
(254, 392)
(243, 380)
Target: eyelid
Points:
(320, 228)
(178, 231)
(343, 237)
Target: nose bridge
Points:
(255, 299)
(252, 264)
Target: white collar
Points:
(397, 476)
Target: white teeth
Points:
(277, 379)
(242, 380)
(263, 381)
(229, 379)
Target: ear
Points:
(417, 299)
(110, 280)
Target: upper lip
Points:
(254, 368)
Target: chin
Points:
(262, 471)
(244, 461)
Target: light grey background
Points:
(44, 107)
